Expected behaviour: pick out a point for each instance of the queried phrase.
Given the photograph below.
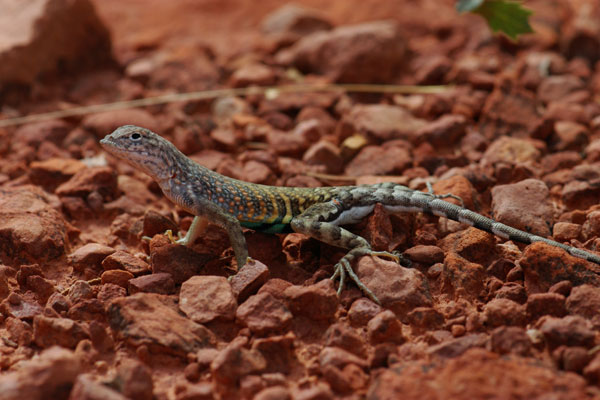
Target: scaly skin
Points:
(316, 212)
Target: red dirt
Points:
(89, 309)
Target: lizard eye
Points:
(135, 136)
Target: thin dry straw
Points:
(269, 91)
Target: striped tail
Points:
(429, 203)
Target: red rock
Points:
(569, 135)
(263, 313)
(19, 331)
(278, 352)
(206, 298)
(136, 380)
(223, 109)
(326, 154)
(472, 244)
(584, 300)
(511, 150)
(206, 356)
(545, 265)
(294, 19)
(31, 230)
(103, 123)
(90, 255)
(351, 378)
(516, 274)
(87, 388)
(152, 320)
(525, 205)
(199, 391)
(102, 180)
(58, 303)
(580, 194)
(156, 224)
(52, 172)
(566, 231)
(253, 74)
(342, 336)
(432, 70)
(591, 371)
(562, 287)
(381, 122)
(275, 287)
(425, 318)
(558, 86)
(375, 160)
(399, 289)
(80, 290)
(568, 331)
(25, 272)
(109, 291)
(456, 347)
(339, 358)
(319, 391)
(510, 340)
(501, 312)
(4, 288)
(160, 283)
(574, 359)
(287, 143)
(257, 172)
(444, 131)
(274, 393)
(21, 307)
(461, 277)
(52, 373)
(318, 301)
(42, 287)
(180, 262)
(88, 310)
(362, 310)
(508, 111)
(368, 52)
(66, 32)
(234, 362)
(512, 291)
(36, 133)
(64, 332)
(591, 226)
(539, 304)
(385, 327)
(117, 277)
(427, 255)
(475, 375)
(561, 160)
(122, 260)
(248, 280)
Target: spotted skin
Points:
(316, 212)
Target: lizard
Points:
(316, 212)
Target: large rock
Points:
(40, 36)
(368, 52)
(31, 230)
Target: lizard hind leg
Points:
(314, 223)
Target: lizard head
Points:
(143, 149)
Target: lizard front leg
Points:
(209, 211)
(319, 222)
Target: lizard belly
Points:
(353, 215)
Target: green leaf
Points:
(467, 5)
(506, 16)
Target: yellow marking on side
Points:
(288, 209)
(276, 210)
